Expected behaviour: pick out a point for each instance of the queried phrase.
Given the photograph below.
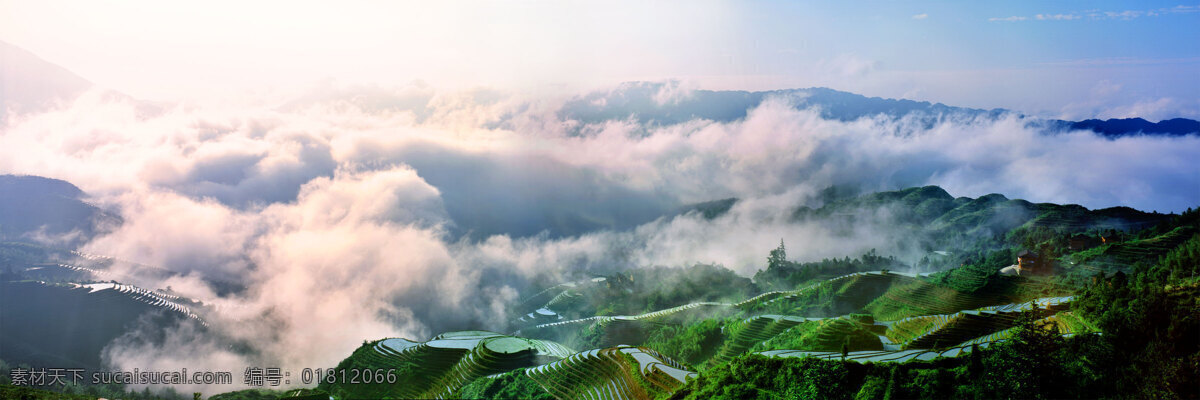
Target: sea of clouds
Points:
(351, 214)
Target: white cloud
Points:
(1008, 19)
(674, 91)
(359, 246)
(1056, 17)
(920, 16)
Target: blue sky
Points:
(1060, 59)
(1031, 56)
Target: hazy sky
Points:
(1055, 58)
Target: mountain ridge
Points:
(37, 206)
(646, 103)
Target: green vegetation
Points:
(745, 334)
(782, 274)
(1151, 322)
(644, 290)
(1035, 364)
(842, 295)
(837, 328)
(28, 393)
(617, 372)
(972, 332)
(917, 297)
(824, 335)
(939, 331)
(691, 344)
(1121, 255)
(1072, 323)
(514, 384)
(435, 368)
(1149, 349)
(758, 377)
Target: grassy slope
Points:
(1121, 256)
(509, 385)
(827, 335)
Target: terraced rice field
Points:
(1125, 254)
(153, 298)
(844, 284)
(812, 333)
(1070, 323)
(755, 330)
(622, 372)
(761, 299)
(876, 356)
(560, 289)
(1067, 322)
(650, 316)
(96, 273)
(951, 329)
(601, 373)
(917, 297)
(435, 369)
(826, 335)
(933, 331)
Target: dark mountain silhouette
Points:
(1131, 126)
(32, 206)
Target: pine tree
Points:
(778, 257)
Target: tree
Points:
(778, 257)
(894, 391)
(1029, 365)
(976, 365)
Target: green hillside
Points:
(618, 372)
(1110, 311)
(440, 366)
(1122, 255)
(825, 335)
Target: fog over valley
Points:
(289, 225)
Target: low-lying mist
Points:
(345, 221)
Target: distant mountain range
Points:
(31, 84)
(1127, 126)
(644, 101)
(649, 103)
